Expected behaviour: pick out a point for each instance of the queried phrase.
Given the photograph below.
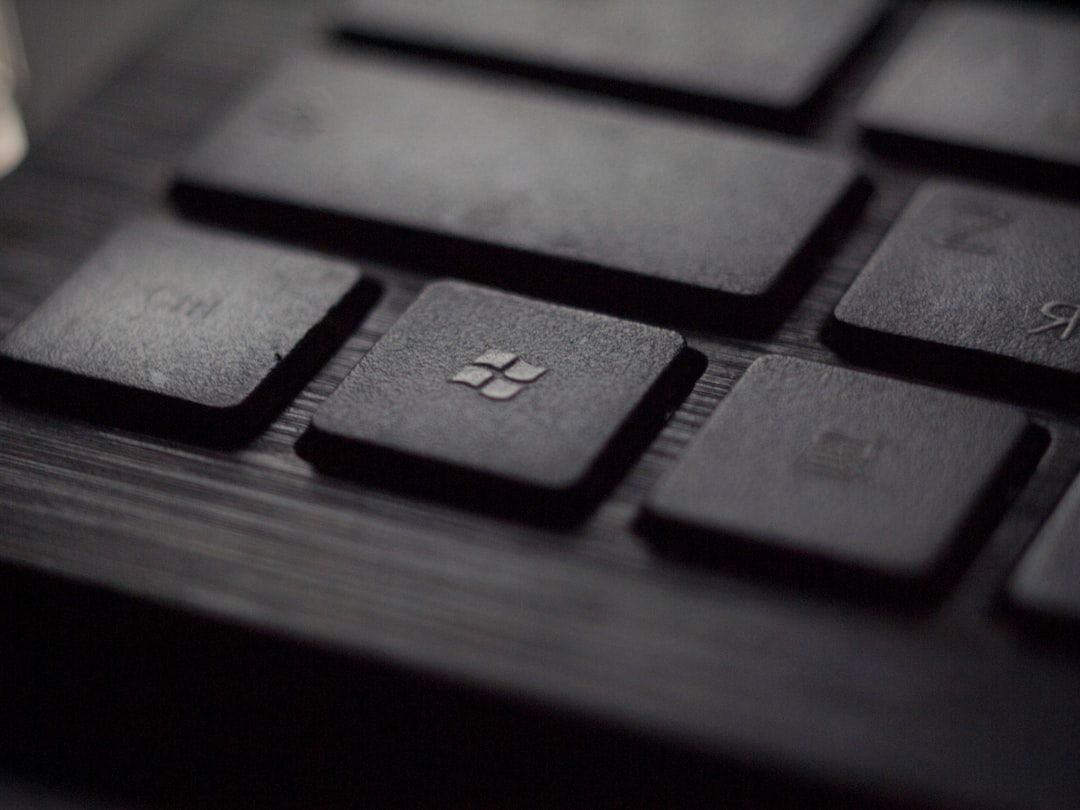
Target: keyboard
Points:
(519, 402)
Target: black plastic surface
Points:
(1047, 581)
(614, 192)
(773, 54)
(976, 282)
(182, 331)
(475, 385)
(192, 627)
(993, 81)
(858, 470)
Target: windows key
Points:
(501, 402)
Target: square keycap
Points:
(479, 386)
(849, 469)
(181, 330)
(966, 269)
(1047, 581)
(1001, 80)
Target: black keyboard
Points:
(565, 404)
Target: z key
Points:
(974, 286)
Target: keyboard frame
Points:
(312, 610)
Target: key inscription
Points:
(963, 229)
(1061, 315)
(837, 455)
(170, 301)
(498, 375)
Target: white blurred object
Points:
(13, 76)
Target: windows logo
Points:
(498, 375)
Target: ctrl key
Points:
(823, 471)
(183, 332)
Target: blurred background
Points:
(70, 45)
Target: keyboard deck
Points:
(307, 615)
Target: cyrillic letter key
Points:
(840, 468)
